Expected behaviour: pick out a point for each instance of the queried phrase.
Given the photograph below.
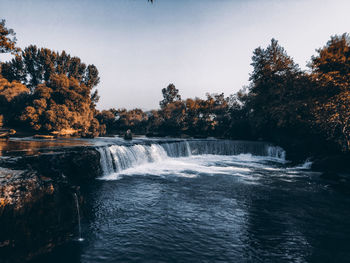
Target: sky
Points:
(199, 45)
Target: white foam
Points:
(240, 165)
(183, 167)
(188, 159)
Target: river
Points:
(209, 201)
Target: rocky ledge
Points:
(38, 209)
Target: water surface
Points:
(210, 208)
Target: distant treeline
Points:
(305, 111)
(46, 91)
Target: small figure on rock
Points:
(128, 135)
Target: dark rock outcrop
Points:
(128, 135)
(37, 213)
(37, 204)
(78, 164)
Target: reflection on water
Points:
(29, 146)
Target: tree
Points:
(275, 83)
(35, 66)
(136, 120)
(15, 71)
(61, 87)
(10, 90)
(107, 118)
(331, 72)
(13, 96)
(172, 116)
(170, 95)
(334, 119)
(61, 105)
(331, 67)
(7, 39)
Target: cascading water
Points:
(116, 158)
(78, 215)
(276, 152)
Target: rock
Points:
(36, 214)
(37, 203)
(128, 135)
(78, 164)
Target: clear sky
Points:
(199, 45)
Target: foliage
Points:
(7, 39)
(48, 91)
(12, 97)
(121, 120)
(206, 117)
(334, 118)
(135, 120)
(10, 90)
(107, 118)
(331, 67)
(35, 66)
(331, 71)
(170, 95)
(61, 103)
(276, 82)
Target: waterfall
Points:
(78, 213)
(276, 152)
(128, 156)
(106, 160)
(116, 158)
